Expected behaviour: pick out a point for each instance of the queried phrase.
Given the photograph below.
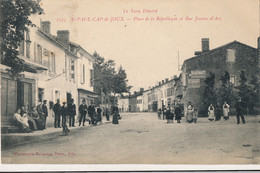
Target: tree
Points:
(14, 21)
(209, 95)
(243, 89)
(225, 92)
(108, 81)
(253, 94)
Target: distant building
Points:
(233, 57)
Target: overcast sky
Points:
(148, 50)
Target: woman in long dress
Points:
(211, 112)
(115, 115)
(189, 112)
(226, 110)
(39, 120)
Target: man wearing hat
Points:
(64, 113)
(83, 111)
(56, 110)
(72, 113)
(45, 111)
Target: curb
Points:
(16, 139)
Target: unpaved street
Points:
(142, 138)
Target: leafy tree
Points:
(209, 95)
(108, 81)
(225, 92)
(253, 94)
(243, 89)
(15, 20)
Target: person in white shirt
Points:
(22, 121)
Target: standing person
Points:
(217, 112)
(226, 110)
(91, 112)
(99, 118)
(115, 113)
(45, 111)
(163, 111)
(211, 114)
(178, 113)
(168, 114)
(64, 113)
(195, 116)
(107, 114)
(83, 111)
(159, 112)
(190, 110)
(57, 112)
(240, 110)
(72, 113)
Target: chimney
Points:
(63, 36)
(205, 44)
(46, 26)
(141, 90)
(175, 77)
(166, 80)
(162, 81)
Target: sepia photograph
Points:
(130, 82)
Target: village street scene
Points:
(70, 96)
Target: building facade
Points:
(55, 69)
(233, 58)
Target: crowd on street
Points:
(64, 116)
(215, 112)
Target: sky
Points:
(147, 44)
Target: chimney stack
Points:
(46, 26)
(162, 81)
(166, 80)
(205, 44)
(63, 36)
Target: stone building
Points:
(233, 57)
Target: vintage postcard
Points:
(119, 82)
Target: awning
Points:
(87, 93)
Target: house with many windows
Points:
(56, 68)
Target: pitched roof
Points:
(220, 47)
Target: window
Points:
(35, 51)
(72, 70)
(21, 46)
(52, 66)
(83, 74)
(231, 55)
(39, 53)
(232, 80)
(91, 78)
(28, 44)
(46, 58)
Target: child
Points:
(195, 116)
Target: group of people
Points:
(29, 121)
(215, 112)
(169, 113)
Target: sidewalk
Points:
(15, 139)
